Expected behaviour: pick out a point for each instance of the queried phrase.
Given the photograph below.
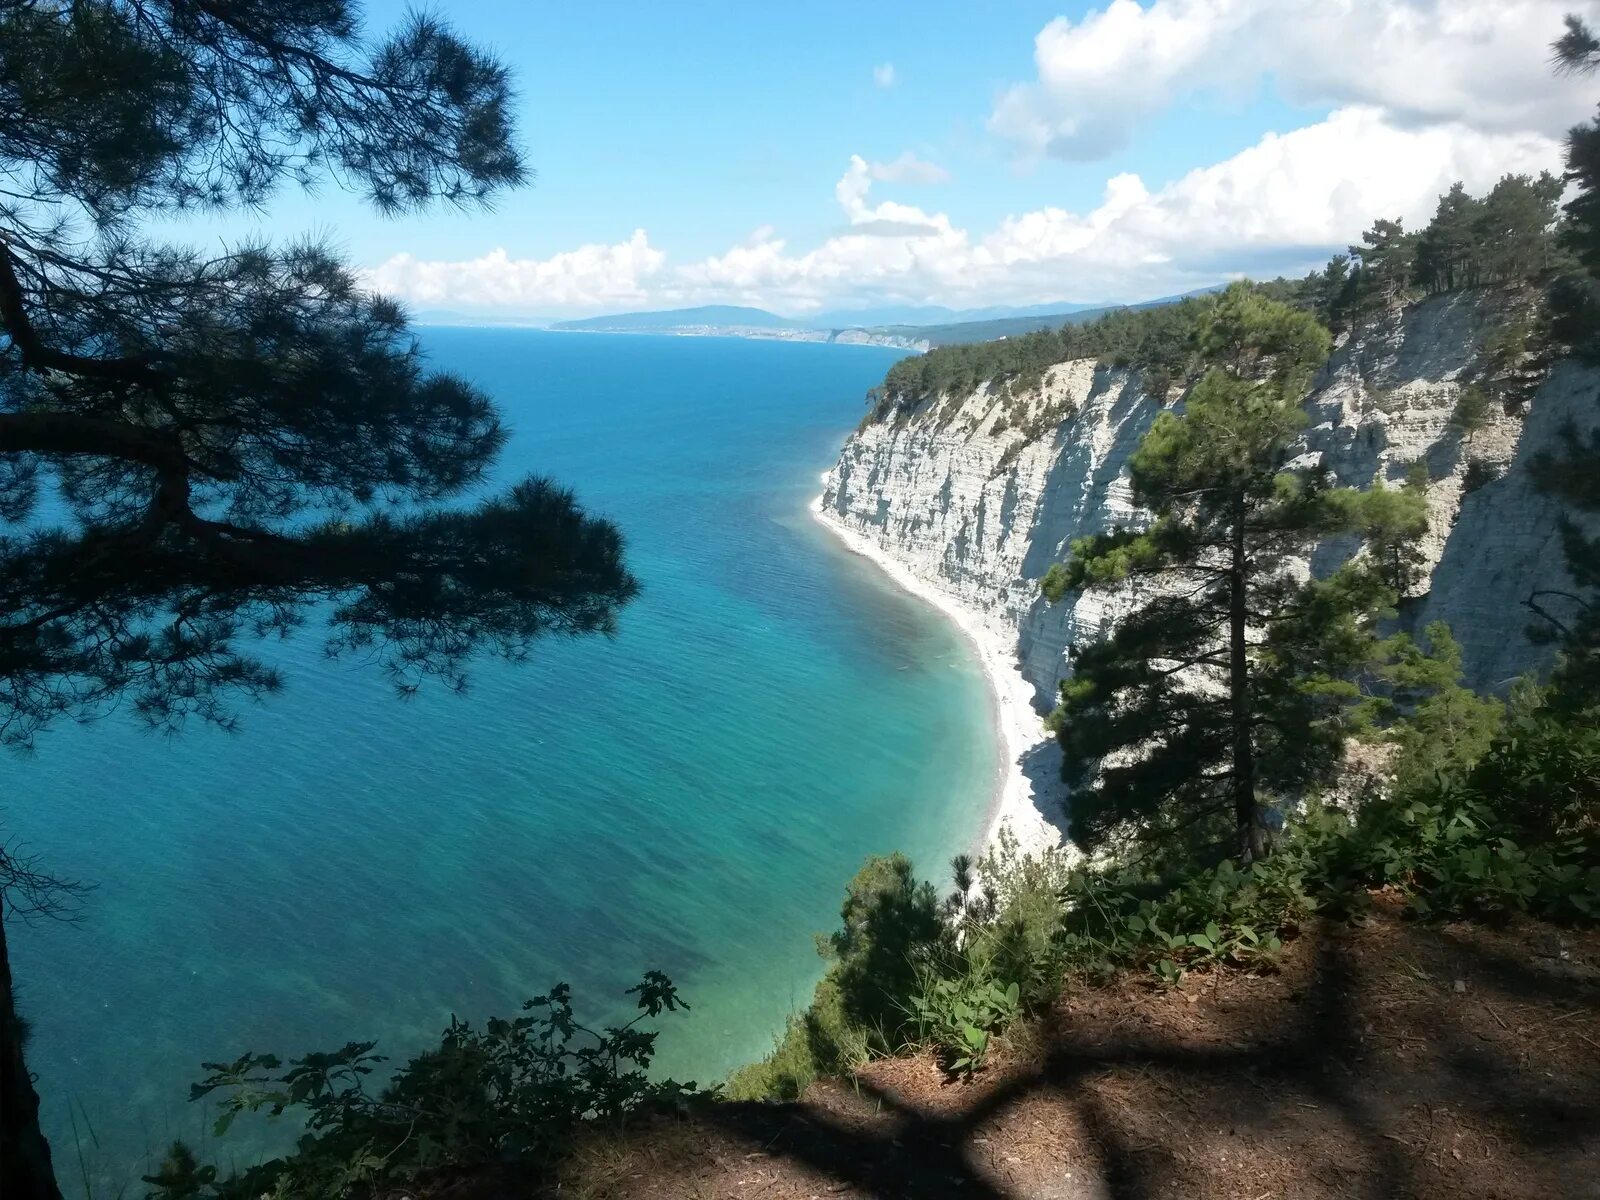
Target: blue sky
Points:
(1084, 152)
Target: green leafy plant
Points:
(890, 929)
(957, 1016)
(1168, 972)
(514, 1090)
(1137, 915)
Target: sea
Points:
(690, 796)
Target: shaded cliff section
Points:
(979, 494)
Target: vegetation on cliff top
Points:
(1512, 236)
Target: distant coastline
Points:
(912, 328)
(837, 337)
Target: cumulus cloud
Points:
(883, 75)
(1479, 63)
(887, 218)
(590, 277)
(1279, 206)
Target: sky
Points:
(832, 156)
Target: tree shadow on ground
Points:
(1391, 1061)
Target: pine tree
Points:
(1575, 296)
(1573, 473)
(1226, 685)
(1391, 520)
(1387, 255)
(1437, 726)
(233, 445)
(1332, 293)
(1514, 234)
(1446, 250)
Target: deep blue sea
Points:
(691, 795)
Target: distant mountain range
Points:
(737, 316)
(730, 316)
(935, 314)
(914, 325)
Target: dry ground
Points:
(1382, 1061)
(1386, 1060)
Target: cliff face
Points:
(977, 495)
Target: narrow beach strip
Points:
(1027, 795)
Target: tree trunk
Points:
(25, 1171)
(1248, 825)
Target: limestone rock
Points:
(979, 494)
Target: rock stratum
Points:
(976, 495)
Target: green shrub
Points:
(1132, 916)
(1542, 774)
(1518, 831)
(890, 927)
(1452, 854)
(516, 1090)
(1472, 411)
(956, 1015)
(1012, 920)
(818, 1042)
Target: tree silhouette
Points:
(196, 452)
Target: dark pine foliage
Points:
(1225, 688)
(199, 451)
(231, 442)
(1573, 473)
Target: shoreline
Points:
(1019, 729)
(813, 337)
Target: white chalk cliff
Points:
(977, 495)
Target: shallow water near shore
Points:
(691, 796)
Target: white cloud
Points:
(590, 277)
(883, 75)
(908, 168)
(886, 218)
(1479, 63)
(1279, 206)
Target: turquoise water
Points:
(691, 796)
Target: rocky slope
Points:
(977, 495)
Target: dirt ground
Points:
(1386, 1060)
